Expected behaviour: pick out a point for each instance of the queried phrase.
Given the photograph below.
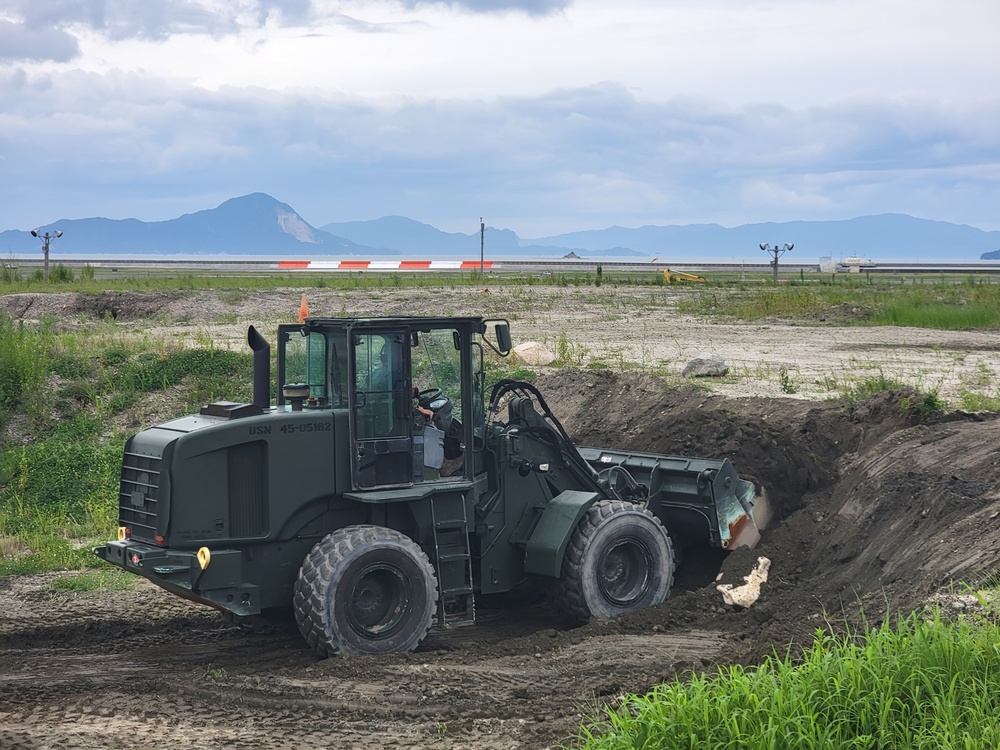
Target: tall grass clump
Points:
(60, 436)
(923, 684)
(943, 315)
(917, 404)
(862, 388)
(24, 356)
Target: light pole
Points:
(777, 252)
(482, 245)
(46, 241)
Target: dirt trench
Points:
(875, 512)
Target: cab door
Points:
(381, 408)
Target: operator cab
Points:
(412, 387)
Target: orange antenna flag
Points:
(303, 310)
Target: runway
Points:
(507, 265)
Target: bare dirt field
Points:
(875, 513)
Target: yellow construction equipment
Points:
(676, 276)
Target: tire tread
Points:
(319, 571)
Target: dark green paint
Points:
(260, 487)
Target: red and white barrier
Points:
(381, 265)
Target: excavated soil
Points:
(874, 513)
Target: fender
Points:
(543, 554)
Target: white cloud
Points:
(544, 114)
(19, 41)
(531, 7)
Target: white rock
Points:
(749, 592)
(533, 353)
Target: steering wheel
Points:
(425, 397)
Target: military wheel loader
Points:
(386, 490)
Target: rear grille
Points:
(248, 490)
(139, 494)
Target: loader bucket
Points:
(699, 500)
(742, 514)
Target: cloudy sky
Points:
(543, 116)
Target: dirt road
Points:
(874, 512)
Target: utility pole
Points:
(46, 241)
(482, 245)
(777, 252)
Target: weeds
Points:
(923, 407)
(936, 305)
(61, 274)
(869, 386)
(101, 581)
(59, 462)
(919, 684)
(568, 353)
(972, 401)
(785, 382)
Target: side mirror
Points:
(501, 330)
(503, 337)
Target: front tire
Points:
(365, 590)
(618, 560)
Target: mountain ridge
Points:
(258, 224)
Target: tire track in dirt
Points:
(876, 511)
(185, 679)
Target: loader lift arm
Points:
(615, 482)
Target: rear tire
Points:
(365, 590)
(619, 560)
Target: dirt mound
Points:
(875, 512)
(124, 306)
(789, 446)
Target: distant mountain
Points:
(884, 237)
(406, 235)
(414, 238)
(252, 225)
(258, 224)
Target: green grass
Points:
(59, 450)
(24, 355)
(124, 279)
(943, 304)
(938, 315)
(43, 551)
(923, 684)
(862, 388)
(972, 401)
(95, 581)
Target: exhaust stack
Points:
(261, 369)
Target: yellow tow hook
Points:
(204, 557)
(121, 534)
